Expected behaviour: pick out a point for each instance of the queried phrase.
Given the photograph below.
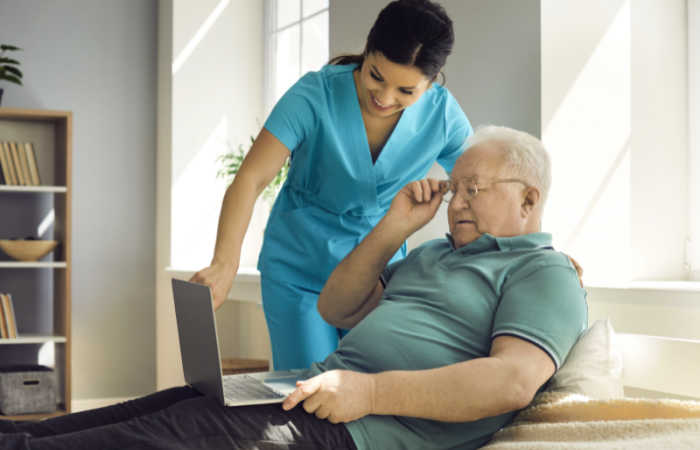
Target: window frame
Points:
(270, 31)
(693, 240)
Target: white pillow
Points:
(594, 365)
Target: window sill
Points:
(675, 286)
(244, 275)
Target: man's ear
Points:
(531, 198)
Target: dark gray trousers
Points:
(173, 419)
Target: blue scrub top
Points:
(334, 194)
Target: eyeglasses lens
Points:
(467, 189)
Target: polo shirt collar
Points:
(487, 242)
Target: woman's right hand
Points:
(219, 277)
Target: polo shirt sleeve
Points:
(389, 271)
(458, 129)
(294, 117)
(546, 307)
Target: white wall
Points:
(614, 116)
(614, 119)
(694, 134)
(210, 80)
(97, 59)
(216, 103)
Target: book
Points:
(10, 319)
(7, 165)
(24, 162)
(33, 167)
(2, 166)
(3, 323)
(23, 165)
(16, 163)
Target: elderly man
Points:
(445, 345)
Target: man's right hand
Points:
(415, 205)
(219, 278)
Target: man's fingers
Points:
(417, 190)
(323, 412)
(579, 269)
(434, 185)
(427, 191)
(312, 404)
(304, 390)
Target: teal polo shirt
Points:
(442, 306)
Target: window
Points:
(296, 35)
(615, 117)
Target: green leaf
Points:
(232, 161)
(8, 47)
(4, 60)
(12, 78)
(14, 70)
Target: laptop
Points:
(201, 361)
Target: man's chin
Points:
(461, 241)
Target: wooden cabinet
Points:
(40, 290)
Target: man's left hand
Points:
(336, 395)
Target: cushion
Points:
(594, 365)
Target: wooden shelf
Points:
(32, 265)
(44, 295)
(230, 366)
(32, 339)
(32, 189)
(39, 416)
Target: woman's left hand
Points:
(579, 269)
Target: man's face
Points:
(497, 209)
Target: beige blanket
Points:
(569, 421)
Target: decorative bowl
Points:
(26, 249)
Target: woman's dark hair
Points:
(409, 32)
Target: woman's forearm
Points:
(236, 211)
(261, 164)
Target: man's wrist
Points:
(372, 393)
(396, 227)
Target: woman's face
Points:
(385, 88)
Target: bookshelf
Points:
(40, 289)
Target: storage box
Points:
(27, 389)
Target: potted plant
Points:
(9, 67)
(232, 161)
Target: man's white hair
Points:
(524, 154)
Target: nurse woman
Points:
(356, 132)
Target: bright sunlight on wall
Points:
(613, 118)
(222, 54)
(216, 103)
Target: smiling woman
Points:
(356, 131)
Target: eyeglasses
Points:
(468, 188)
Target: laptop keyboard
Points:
(244, 388)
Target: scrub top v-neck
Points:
(334, 193)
